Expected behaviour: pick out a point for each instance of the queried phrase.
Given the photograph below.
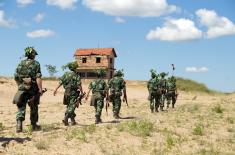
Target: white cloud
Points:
(41, 33)
(196, 70)
(5, 22)
(39, 17)
(140, 8)
(24, 2)
(119, 20)
(217, 25)
(63, 4)
(176, 30)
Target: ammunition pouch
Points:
(18, 98)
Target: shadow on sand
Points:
(5, 140)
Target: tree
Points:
(51, 70)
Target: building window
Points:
(111, 60)
(82, 74)
(84, 60)
(91, 74)
(111, 74)
(98, 59)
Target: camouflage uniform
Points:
(70, 81)
(153, 92)
(116, 85)
(162, 90)
(171, 91)
(99, 89)
(25, 75)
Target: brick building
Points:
(92, 59)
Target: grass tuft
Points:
(77, 134)
(218, 109)
(41, 145)
(198, 130)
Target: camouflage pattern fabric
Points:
(116, 85)
(154, 96)
(70, 81)
(171, 92)
(162, 89)
(30, 70)
(99, 89)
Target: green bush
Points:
(77, 134)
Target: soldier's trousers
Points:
(33, 108)
(99, 104)
(71, 107)
(117, 102)
(171, 98)
(162, 100)
(154, 101)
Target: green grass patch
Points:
(1, 127)
(141, 128)
(91, 128)
(198, 130)
(218, 109)
(77, 134)
(170, 142)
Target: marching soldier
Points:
(153, 91)
(162, 89)
(99, 93)
(117, 87)
(28, 78)
(171, 91)
(71, 82)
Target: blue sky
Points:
(198, 36)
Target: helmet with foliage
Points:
(163, 74)
(153, 73)
(172, 79)
(100, 72)
(71, 66)
(119, 73)
(29, 51)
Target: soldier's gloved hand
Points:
(124, 99)
(40, 92)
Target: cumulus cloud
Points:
(63, 4)
(24, 2)
(5, 22)
(140, 8)
(39, 17)
(196, 70)
(217, 25)
(119, 20)
(41, 33)
(175, 30)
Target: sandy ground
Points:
(200, 124)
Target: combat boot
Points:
(35, 127)
(161, 108)
(73, 122)
(98, 120)
(167, 106)
(173, 106)
(156, 109)
(19, 126)
(65, 121)
(152, 110)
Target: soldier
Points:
(117, 87)
(153, 91)
(99, 92)
(171, 91)
(28, 78)
(71, 82)
(162, 89)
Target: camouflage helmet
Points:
(72, 65)
(163, 74)
(153, 73)
(119, 73)
(100, 72)
(30, 51)
(172, 79)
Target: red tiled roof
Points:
(95, 51)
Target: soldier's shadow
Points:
(129, 117)
(6, 140)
